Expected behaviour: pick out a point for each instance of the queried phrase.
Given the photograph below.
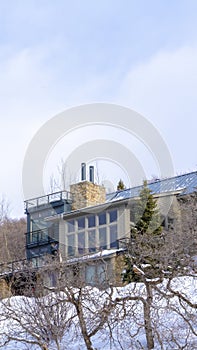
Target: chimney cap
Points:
(91, 173)
(83, 171)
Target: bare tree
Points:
(156, 309)
(155, 255)
(63, 179)
(51, 316)
(173, 315)
(55, 313)
(92, 305)
(4, 212)
(40, 319)
(12, 235)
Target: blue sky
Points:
(54, 55)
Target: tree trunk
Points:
(44, 347)
(88, 342)
(83, 327)
(57, 344)
(147, 318)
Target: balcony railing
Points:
(41, 237)
(47, 199)
(14, 266)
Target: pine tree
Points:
(120, 185)
(145, 241)
(147, 216)
(129, 274)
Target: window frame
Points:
(87, 227)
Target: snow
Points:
(100, 254)
(128, 331)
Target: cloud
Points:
(164, 89)
(32, 90)
(24, 79)
(166, 77)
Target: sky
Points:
(56, 55)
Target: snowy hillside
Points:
(173, 318)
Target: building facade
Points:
(86, 225)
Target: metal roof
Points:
(186, 183)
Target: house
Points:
(85, 227)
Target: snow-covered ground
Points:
(174, 321)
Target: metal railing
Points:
(40, 237)
(9, 268)
(47, 199)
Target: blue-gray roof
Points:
(186, 184)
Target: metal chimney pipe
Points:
(91, 173)
(83, 171)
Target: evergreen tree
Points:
(120, 185)
(145, 241)
(129, 274)
(147, 216)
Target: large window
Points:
(90, 233)
(95, 274)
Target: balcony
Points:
(33, 203)
(40, 237)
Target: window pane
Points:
(81, 223)
(43, 235)
(102, 219)
(71, 245)
(132, 215)
(40, 262)
(91, 221)
(113, 216)
(38, 224)
(101, 274)
(52, 279)
(92, 240)
(90, 272)
(113, 237)
(53, 231)
(81, 243)
(71, 226)
(35, 237)
(102, 238)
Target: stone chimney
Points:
(87, 193)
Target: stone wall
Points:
(4, 289)
(85, 194)
(119, 266)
